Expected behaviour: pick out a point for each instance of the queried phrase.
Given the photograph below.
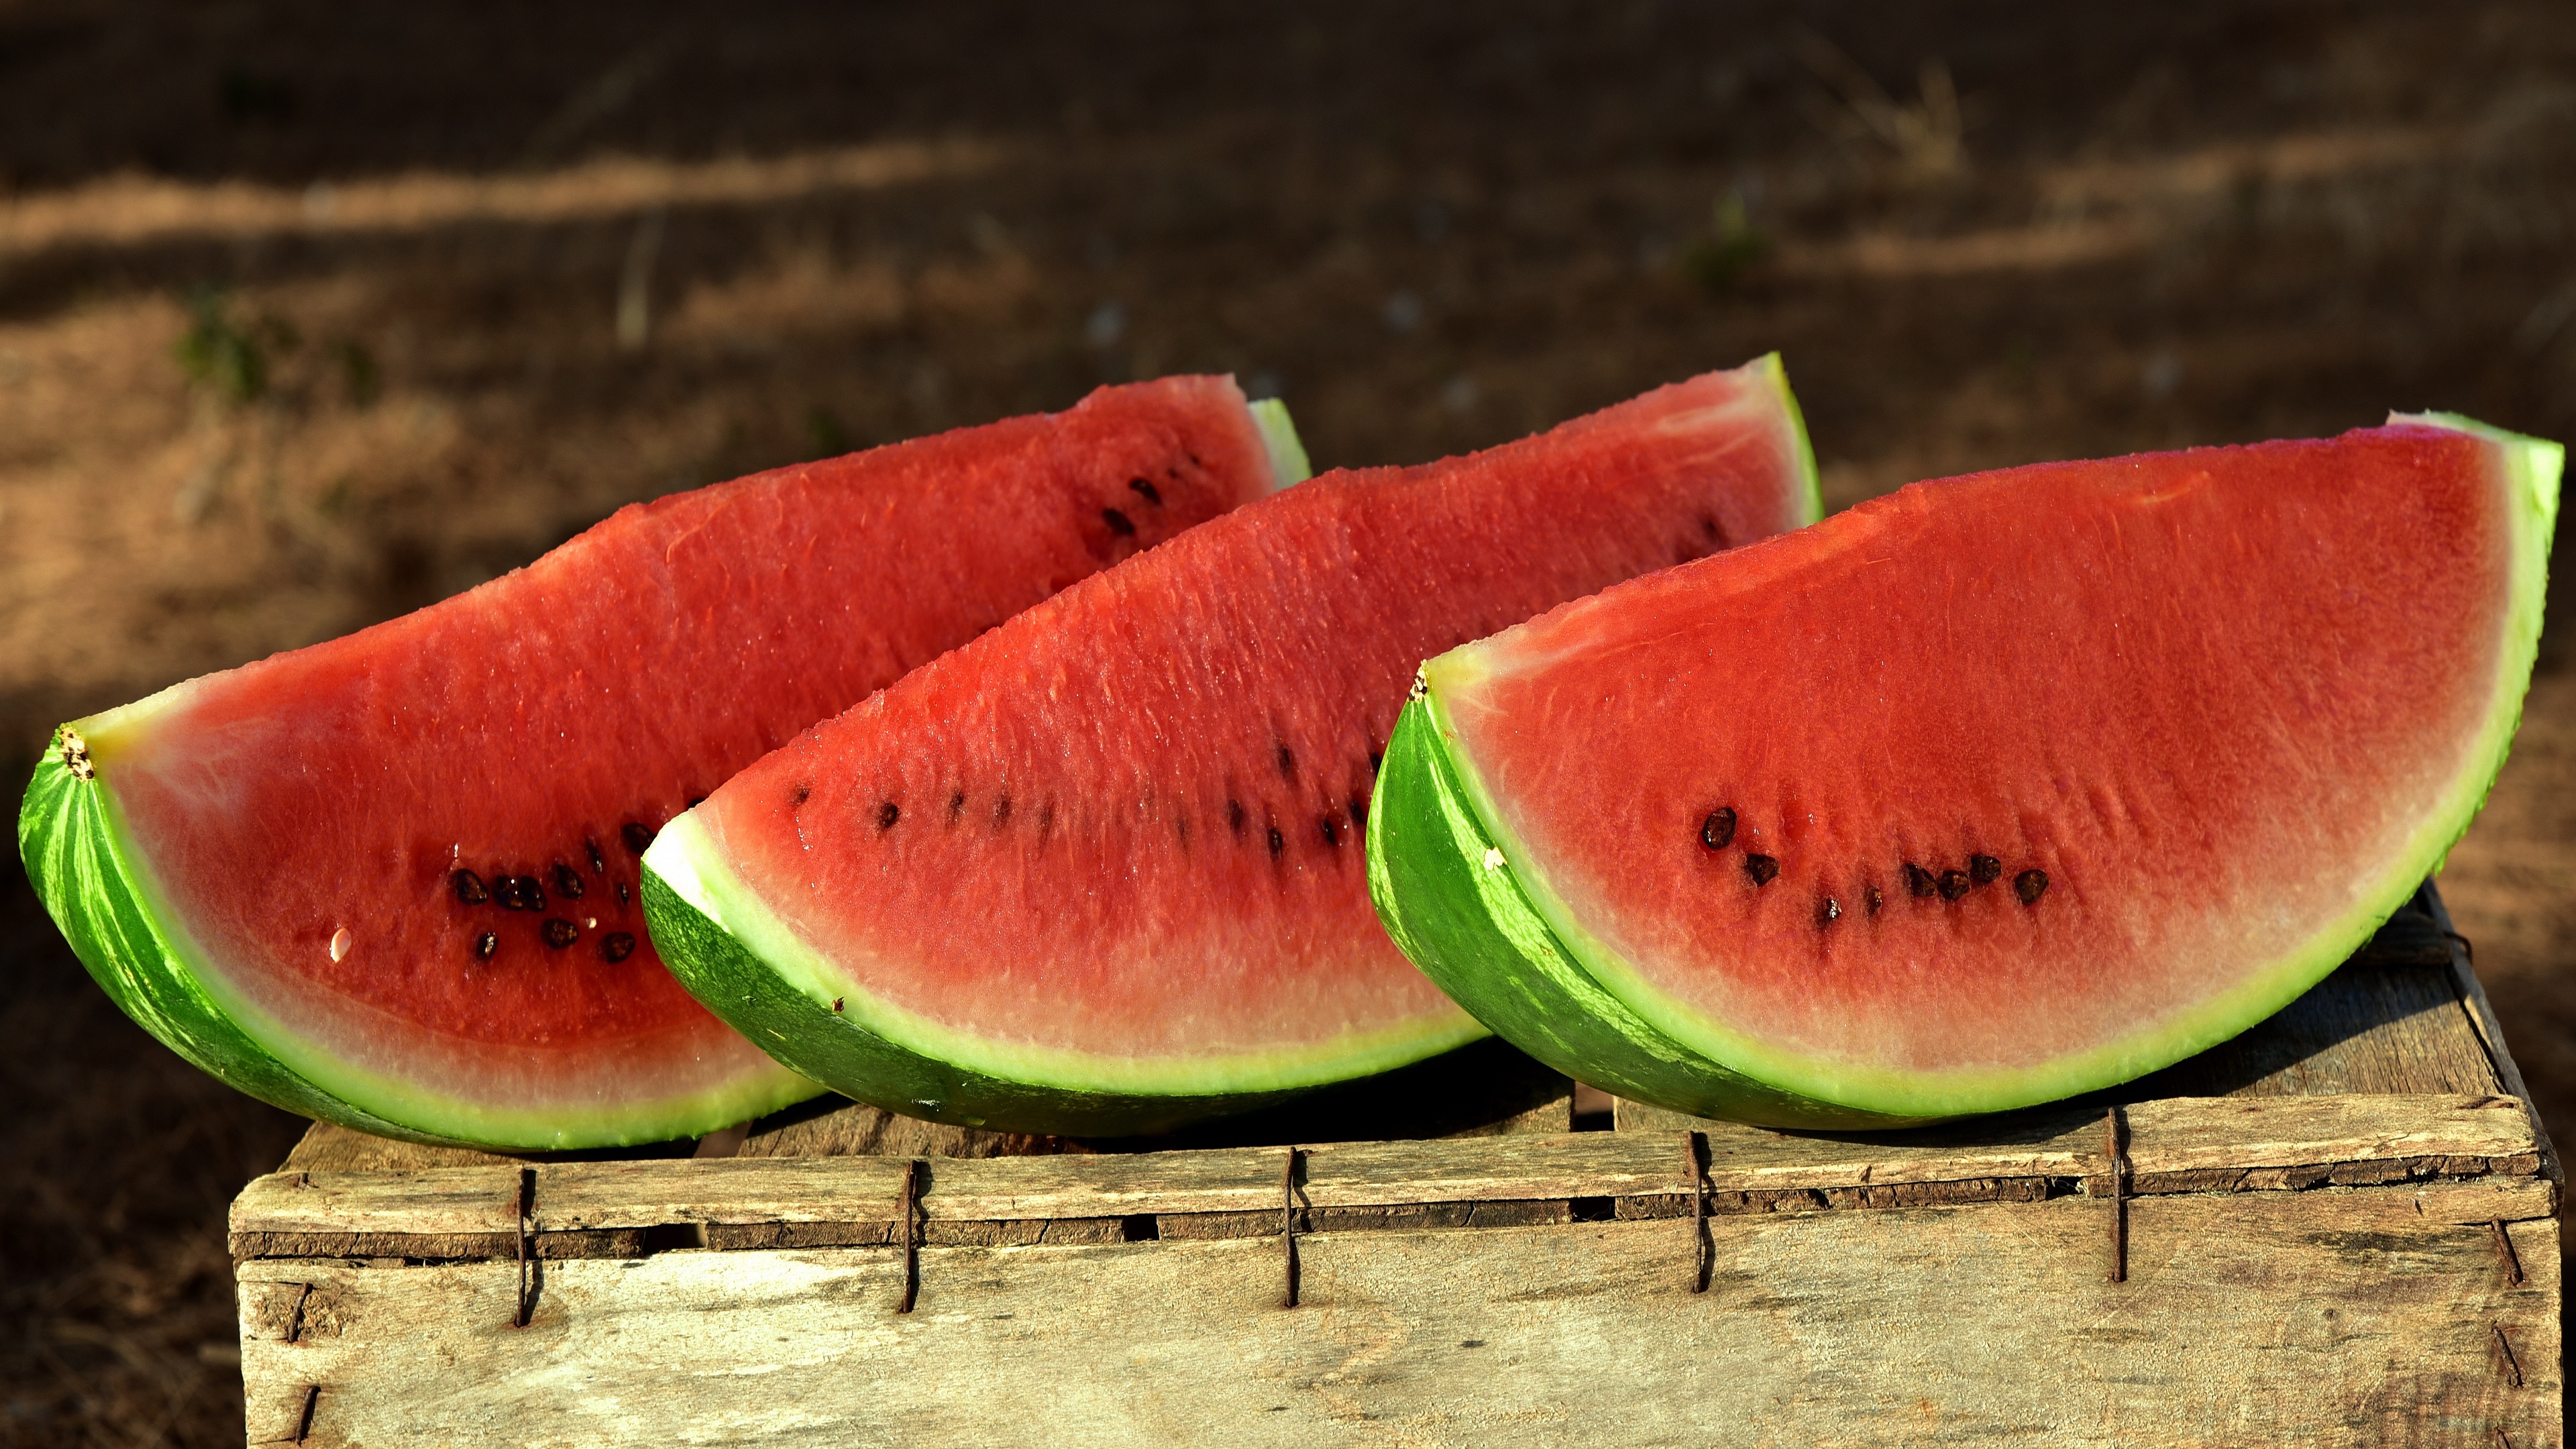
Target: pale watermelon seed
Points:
(1762, 868)
(2030, 885)
(340, 945)
(1718, 830)
(486, 944)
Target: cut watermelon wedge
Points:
(1100, 871)
(390, 880)
(1986, 793)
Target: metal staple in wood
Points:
(910, 1224)
(525, 1209)
(2504, 1250)
(1701, 1248)
(1288, 1225)
(2115, 1146)
(304, 1414)
(2512, 1365)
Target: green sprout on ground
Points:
(229, 357)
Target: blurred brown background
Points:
(314, 313)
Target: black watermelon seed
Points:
(1718, 830)
(1708, 526)
(1287, 765)
(1147, 491)
(532, 893)
(505, 889)
(1954, 884)
(1118, 522)
(1762, 868)
(1918, 881)
(1875, 900)
(622, 897)
(567, 881)
(956, 806)
(486, 944)
(887, 814)
(1830, 912)
(598, 862)
(1001, 811)
(637, 835)
(798, 795)
(1234, 816)
(1984, 869)
(1331, 830)
(1377, 758)
(560, 932)
(614, 947)
(2030, 885)
(1278, 842)
(1359, 812)
(469, 887)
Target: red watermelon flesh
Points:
(1103, 867)
(402, 865)
(2009, 786)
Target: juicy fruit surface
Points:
(405, 862)
(1999, 788)
(1115, 845)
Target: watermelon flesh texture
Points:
(263, 866)
(1989, 792)
(1101, 871)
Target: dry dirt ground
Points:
(313, 313)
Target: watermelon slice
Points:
(1982, 794)
(1100, 871)
(390, 880)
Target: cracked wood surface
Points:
(2339, 1315)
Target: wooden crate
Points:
(2337, 1229)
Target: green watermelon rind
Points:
(1516, 972)
(77, 854)
(734, 953)
(1288, 462)
(1445, 896)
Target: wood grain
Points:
(2329, 1316)
(582, 1209)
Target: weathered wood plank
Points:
(2332, 1316)
(2188, 1144)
